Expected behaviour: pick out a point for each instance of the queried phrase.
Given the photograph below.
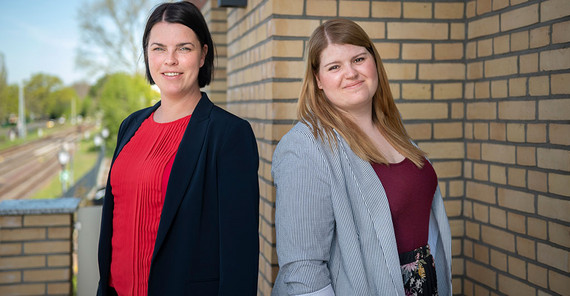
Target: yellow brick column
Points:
(216, 18)
(36, 246)
(517, 135)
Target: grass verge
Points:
(84, 159)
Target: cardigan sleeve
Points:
(304, 218)
(440, 244)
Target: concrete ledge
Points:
(64, 205)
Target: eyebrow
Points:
(334, 62)
(177, 45)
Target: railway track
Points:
(25, 168)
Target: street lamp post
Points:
(63, 157)
(99, 139)
(21, 113)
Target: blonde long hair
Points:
(317, 112)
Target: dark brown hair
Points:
(189, 15)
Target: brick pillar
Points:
(36, 246)
(216, 18)
(517, 166)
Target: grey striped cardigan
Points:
(333, 223)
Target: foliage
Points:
(86, 107)
(118, 96)
(8, 94)
(38, 92)
(112, 29)
(59, 102)
(8, 102)
(3, 72)
(45, 97)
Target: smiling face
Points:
(174, 59)
(348, 76)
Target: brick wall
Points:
(217, 23)
(483, 88)
(517, 132)
(36, 247)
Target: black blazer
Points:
(207, 241)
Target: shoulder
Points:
(300, 143)
(299, 134)
(224, 116)
(228, 125)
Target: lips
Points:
(354, 84)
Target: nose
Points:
(171, 58)
(350, 71)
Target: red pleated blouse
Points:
(139, 177)
(410, 192)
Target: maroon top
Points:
(410, 191)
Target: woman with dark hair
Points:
(358, 208)
(180, 214)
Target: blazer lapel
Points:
(184, 165)
(367, 186)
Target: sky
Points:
(41, 36)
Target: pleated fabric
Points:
(138, 180)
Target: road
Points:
(25, 168)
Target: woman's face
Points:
(348, 77)
(174, 59)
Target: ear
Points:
(204, 52)
(319, 85)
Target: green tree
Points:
(58, 103)
(7, 104)
(119, 95)
(38, 92)
(86, 107)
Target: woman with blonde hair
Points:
(358, 208)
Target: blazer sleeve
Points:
(238, 190)
(304, 219)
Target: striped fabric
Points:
(334, 226)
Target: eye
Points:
(157, 49)
(332, 68)
(359, 60)
(185, 49)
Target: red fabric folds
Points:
(138, 180)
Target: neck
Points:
(363, 119)
(173, 109)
